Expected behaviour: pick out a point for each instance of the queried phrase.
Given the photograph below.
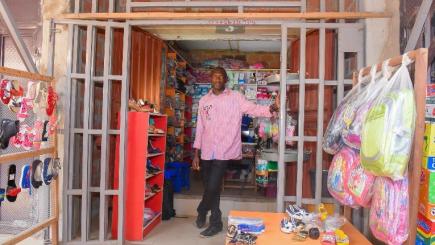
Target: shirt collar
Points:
(225, 92)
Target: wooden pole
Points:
(414, 167)
(24, 155)
(24, 74)
(208, 16)
(27, 233)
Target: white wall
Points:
(382, 35)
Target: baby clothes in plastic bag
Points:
(389, 210)
(388, 128)
(338, 175)
(343, 116)
(351, 134)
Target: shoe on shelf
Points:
(155, 188)
(201, 220)
(151, 168)
(152, 149)
(212, 230)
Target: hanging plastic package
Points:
(388, 128)
(343, 116)
(389, 210)
(338, 175)
(360, 184)
(351, 134)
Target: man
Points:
(218, 136)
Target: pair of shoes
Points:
(152, 149)
(151, 168)
(201, 220)
(211, 231)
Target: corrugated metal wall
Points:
(145, 64)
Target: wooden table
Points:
(273, 235)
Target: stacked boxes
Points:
(426, 206)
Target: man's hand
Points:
(195, 162)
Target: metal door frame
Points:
(124, 77)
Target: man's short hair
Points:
(220, 70)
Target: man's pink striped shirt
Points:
(218, 127)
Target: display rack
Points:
(419, 57)
(138, 178)
(175, 106)
(53, 221)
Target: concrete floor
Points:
(178, 231)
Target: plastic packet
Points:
(343, 115)
(333, 222)
(351, 134)
(338, 176)
(389, 210)
(388, 128)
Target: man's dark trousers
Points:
(212, 172)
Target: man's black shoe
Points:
(200, 221)
(211, 231)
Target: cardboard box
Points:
(427, 209)
(429, 140)
(425, 226)
(427, 186)
(421, 239)
(429, 163)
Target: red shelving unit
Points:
(137, 177)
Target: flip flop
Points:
(45, 132)
(40, 101)
(25, 177)
(2, 195)
(38, 129)
(12, 190)
(51, 101)
(26, 106)
(8, 129)
(15, 104)
(36, 173)
(31, 90)
(16, 89)
(55, 167)
(28, 138)
(46, 176)
(5, 89)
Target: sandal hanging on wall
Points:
(36, 173)
(12, 190)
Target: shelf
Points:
(239, 180)
(156, 135)
(247, 143)
(152, 175)
(152, 220)
(155, 154)
(152, 195)
(158, 115)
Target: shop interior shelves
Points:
(138, 178)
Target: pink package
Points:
(360, 184)
(389, 210)
(338, 175)
(352, 135)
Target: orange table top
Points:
(273, 235)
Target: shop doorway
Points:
(93, 187)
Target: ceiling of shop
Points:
(241, 46)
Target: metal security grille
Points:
(90, 132)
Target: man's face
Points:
(218, 81)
